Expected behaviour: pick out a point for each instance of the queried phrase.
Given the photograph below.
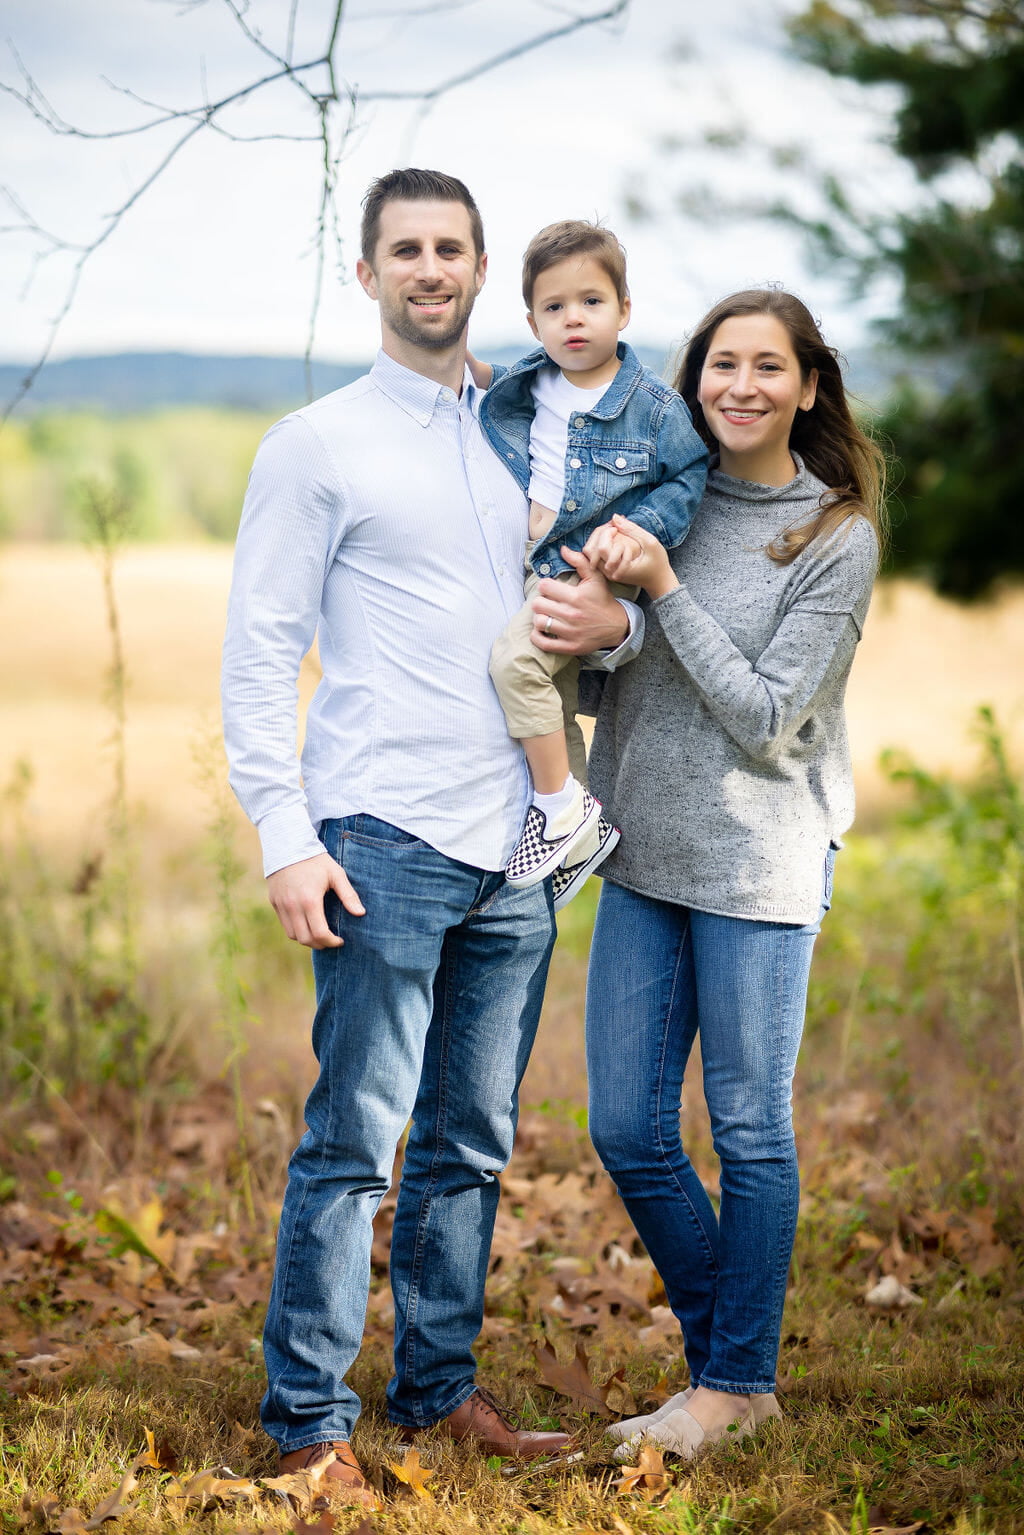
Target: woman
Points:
(722, 754)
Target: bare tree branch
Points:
(335, 107)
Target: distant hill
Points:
(129, 382)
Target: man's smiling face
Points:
(426, 274)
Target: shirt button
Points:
(545, 569)
(620, 463)
(580, 421)
(570, 506)
(575, 463)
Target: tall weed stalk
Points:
(227, 944)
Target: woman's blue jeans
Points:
(659, 973)
(428, 1013)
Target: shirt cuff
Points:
(627, 650)
(287, 836)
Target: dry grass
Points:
(922, 668)
(910, 1113)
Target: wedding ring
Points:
(547, 624)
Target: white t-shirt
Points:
(554, 400)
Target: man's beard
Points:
(401, 318)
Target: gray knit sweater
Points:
(721, 752)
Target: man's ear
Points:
(481, 271)
(531, 322)
(367, 280)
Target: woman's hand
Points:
(626, 552)
(575, 620)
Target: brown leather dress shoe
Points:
(344, 1474)
(481, 1419)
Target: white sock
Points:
(553, 804)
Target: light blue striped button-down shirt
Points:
(380, 518)
(380, 514)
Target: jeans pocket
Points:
(372, 832)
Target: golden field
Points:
(923, 667)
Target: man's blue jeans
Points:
(658, 973)
(427, 1013)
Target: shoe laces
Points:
(507, 1419)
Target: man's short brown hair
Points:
(414, 186)
(574, 237)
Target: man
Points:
(380, 515)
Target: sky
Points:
(216, 256)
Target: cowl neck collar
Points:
(804, 486)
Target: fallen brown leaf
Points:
(414, 1475)
(155, 1457)
(648, 1477)
(37, 1513)
(574, 1380)
(116, 1504)
(213, 1485)
(71, 1522)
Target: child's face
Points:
(577, 317)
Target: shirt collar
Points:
(417, 395)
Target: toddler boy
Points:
(588, 432)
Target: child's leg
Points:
(548, 761)
(534, 686)
(531, 697)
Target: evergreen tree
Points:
(957, 431)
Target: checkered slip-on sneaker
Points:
(537, 855)
(568, 882)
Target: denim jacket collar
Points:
(413, 392)
(614, 399)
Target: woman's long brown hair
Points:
(833, 447)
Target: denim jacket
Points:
(636, 452)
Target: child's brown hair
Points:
(574, 237)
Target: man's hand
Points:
(297, 895)
(583, 618)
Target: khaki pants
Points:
(538, 689)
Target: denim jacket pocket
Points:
(616, 470)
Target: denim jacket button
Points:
(575, 463)
(570, 506)
(545, 569)
(580, 421)
(510, 455)
(620, 463)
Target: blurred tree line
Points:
(958, 255)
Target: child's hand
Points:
(620, 553)
(630, 554)
(482, 372)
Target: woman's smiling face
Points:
(750, 390)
